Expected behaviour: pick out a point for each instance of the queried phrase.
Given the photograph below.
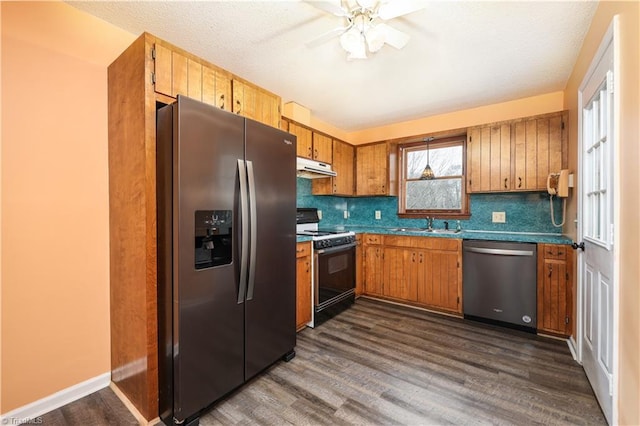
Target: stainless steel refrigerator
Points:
(226, 195)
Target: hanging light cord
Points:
(564, 211)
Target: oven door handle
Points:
(329, 250)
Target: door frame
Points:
(611, 39)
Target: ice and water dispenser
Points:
(213, 238)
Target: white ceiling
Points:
(462, 54)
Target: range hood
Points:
(311, 169)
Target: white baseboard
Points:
(573, 348)
(56, 400)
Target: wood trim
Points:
(132, 226)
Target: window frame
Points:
(463, 212)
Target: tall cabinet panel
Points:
(148, 73)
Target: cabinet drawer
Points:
(303, 249)
(555, 251)
(373, 239)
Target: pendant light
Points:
(427, 173)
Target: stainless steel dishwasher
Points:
(499, 282)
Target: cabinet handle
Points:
(505, 183)
(308, 266)
(519, 182)
(413, 257)
(309, 152)
(420, 257)
(222, 101)
(315, 154)
(239, 107)
(550, 270)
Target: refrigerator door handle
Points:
(254, 225)
(244, 213)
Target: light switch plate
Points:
(378, 214)
(346, 214)
(499, 217)
(320, 214)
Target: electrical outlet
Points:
(320, 214)
(499, 217)
(378, 214)
(346, 214)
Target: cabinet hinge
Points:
(470, 139)
(153, 53)
(458, 264)
(458, 300)
(562, 125)
(153, 78)
(567, 276)
(566, 319)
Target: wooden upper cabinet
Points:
(343, 165)
(516, 155)
(304, 139)
(540, 148)
(322, 148)
(372, 170)
(179, 73)
(489, 158)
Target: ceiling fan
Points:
(363, 31)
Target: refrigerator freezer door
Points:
(208, 321)
(270, 313)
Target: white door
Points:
(597, 283)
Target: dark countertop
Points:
(523, 237)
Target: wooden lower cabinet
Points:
(421, 271)
(303, 284)
(373, 256)
(555, 289)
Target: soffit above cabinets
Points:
(461, 54)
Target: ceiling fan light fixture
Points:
(375, 38)
(353, 42)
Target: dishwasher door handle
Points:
(500, 252)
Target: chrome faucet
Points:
(429, 223)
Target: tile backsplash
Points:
(525, 212)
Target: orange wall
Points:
(525, 107)
(54, 224)
(629, 176)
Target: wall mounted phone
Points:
(558, 185)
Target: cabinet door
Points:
(179, 75)
(322, 148)
(162, 71)
(489, 158)
(373, 272)
(304, 139)
(372, 169)
(303, 287)
(268, 108)
(442, 281)
(539, 149)
(343, 156)
(223, 90)
(343, 183)
(555, 298)
(400, 273)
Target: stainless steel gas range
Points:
(334, 266)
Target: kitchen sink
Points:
(443, 231)
(425, 230)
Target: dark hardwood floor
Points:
(381, 364)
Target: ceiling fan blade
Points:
(393, 37)
(393, 9)
(332, 7)
(323, 38)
